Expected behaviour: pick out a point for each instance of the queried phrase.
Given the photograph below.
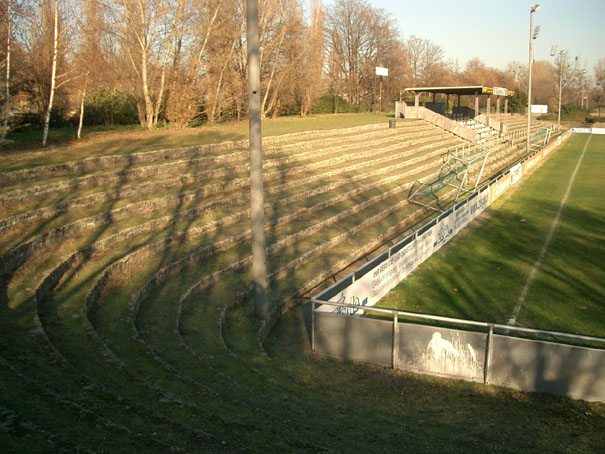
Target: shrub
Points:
(324, 105)
(518, 102)
(572, 112)
(110, 107)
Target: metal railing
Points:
(458, 321)
(354, 310)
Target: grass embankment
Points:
(125, 325)
(481, 274)
(120, 141)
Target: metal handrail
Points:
(459, 321)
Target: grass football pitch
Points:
(534, 258)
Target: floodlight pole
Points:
(561, 63)
(257, 214)
(583, 73)
(531, 31)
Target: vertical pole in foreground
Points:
(531, 56)
(257, 215)
(561, 63)
(380, 96)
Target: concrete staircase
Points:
(482, 131)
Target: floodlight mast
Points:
(531, 38)
(553, 53)
(583, 73)
(257, 214)
(561, 63)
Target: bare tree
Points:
(359, 38)
(90, 53)
(53, 74)
(146, 31)
(544, 84)
(280, 24)
(310, 80)
(201, 19)
(598, 94)
(46, 34)
(426, 61)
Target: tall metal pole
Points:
(531, 31)
(380, 96)
(561, 63)
(583, 73)
(257, 214)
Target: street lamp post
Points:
(561, 63)
(532, 36)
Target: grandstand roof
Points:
(466, 90)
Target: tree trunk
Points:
(174, 34)
(212, 116)
(146, 95)
(4, 130)
(158, 102)
(53, 73)
(8, 63)
(82, 108)
(264, 111)
(336, 100)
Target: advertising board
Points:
(410, 252)
(516, 172)
(539, 108)
(382, 71)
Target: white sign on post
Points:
(539, 108)
(382, 71)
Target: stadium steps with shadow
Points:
(126, 323)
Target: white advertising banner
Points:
(588, 130)
(375, 284)
(539, 108)
(532, 162)
(516, 172)
(382, 71)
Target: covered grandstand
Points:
(474, 91)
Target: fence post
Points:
(488, 354)
(312, 325)
(395, 339)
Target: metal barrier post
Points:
(312, 325)
(488, 354)
(395, 339)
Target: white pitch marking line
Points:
(549, 237)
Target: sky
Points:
(497, 31)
